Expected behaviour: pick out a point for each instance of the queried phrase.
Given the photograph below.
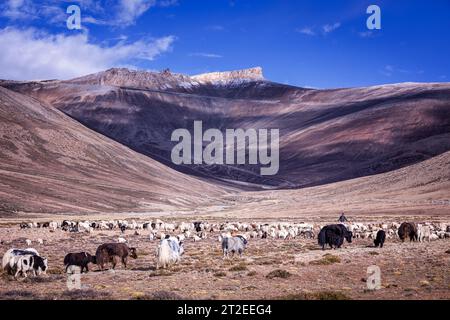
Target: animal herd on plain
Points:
(234, 238)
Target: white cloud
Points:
(313, 31)
(215, 28)
(205, 55)
(307, 31)
(167, 3)
(30, 54)
(365, 34)
(330, 27)
(130, 10)
(18, 9)
(387, 71)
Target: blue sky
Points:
(322, 44)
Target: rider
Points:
(342, 218)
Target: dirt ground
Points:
(269, 269)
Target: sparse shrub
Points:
(327, 259)
(16, 295)
(330, 295)
(252, 273)
(55, 271)
(239, 267)
(373, 253)
(220, 274)
(279, 273)
(85, 295)
(161, 272)
(294, 296)
(165, 295)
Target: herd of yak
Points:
(170, 249)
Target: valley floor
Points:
(270, 269)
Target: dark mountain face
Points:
(325, 135)
(52, 163)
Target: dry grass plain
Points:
(270, 269)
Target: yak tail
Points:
(225, 243)
(164, 253)
(321, 238)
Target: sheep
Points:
(121, 240)
(233, 245)
(169, 251)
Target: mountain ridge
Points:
(326, 135)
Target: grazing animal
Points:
(379, 240)
(110, 252)
(24, 225)
(233, 245)
(424, 232)
(407, 229)
(334, 235)
(11, 261)
(81, 259)
(29, 262)
(28, 242)
(121, 240)
(169, 251)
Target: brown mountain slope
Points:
(422, 189)
(325, 135)
(51, 163)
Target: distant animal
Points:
(111, 252)
(379, 240)
(233, 245)
(407, 229)
(197, 226)
(81, 259)
(334, 236)
(123, 228)
(423, 232)
(24, 263)
(121, 240)
(11, 262)
(25, 225)
(169, 251)
(28, 242)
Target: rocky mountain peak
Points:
(252, 74)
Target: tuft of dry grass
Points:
(279, 273)
(85, 295)
(327, 259)
(330, 295)
(17, 295)
(239, 267)
(165, 295)
(220, 274)
(161, 272)
(321, 295)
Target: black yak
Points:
(81, 259)
(110, 252)
(408, 229)
(381, 237)
(334, 236)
